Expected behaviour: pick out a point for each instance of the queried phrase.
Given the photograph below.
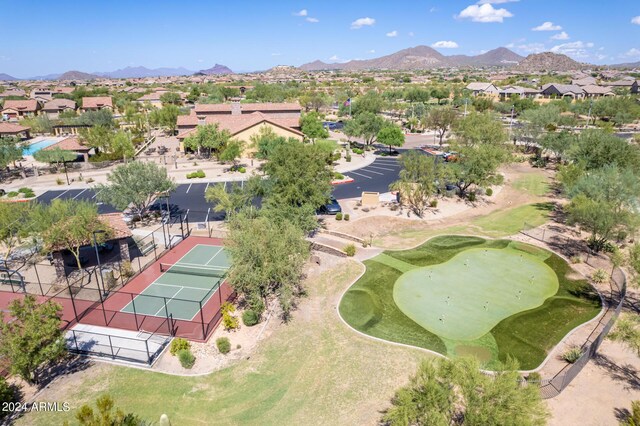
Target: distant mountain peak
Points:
(7, 77)
(77, 75)
(217, 69)
(549, 61)
(422, 57)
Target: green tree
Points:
(418, 180)
(10, 151)
(33, 338)
(595, 149)
(68, 224)
(440, 120)
(14, 226)
(446, 392)
(102, 117)
(170, 98)
(371, 102)
(229, 201)
(122, 145)
(417, 94)
(267, 258)
(480, 129)
(166, 117)
(232, 152)
(476, 166)
(365, 125)
(99, 137)
(627, 331)
(633, 419)
(208, 137)
(604, 202)
(391, 135)
(135, 185)
(105, 415)
(558, 143)
(482, 104)
(265, 142)
(312, 127)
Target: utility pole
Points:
(465, 106)
(589, 116)
(513, 109)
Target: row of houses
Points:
(14, 110)
(578, 89)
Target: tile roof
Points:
(11, 128)
(235, 124)
(29, 105)
(69, 144)
(57, 104)
(97, 102)
(597, 90)
(248, 107)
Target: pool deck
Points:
(38, 139)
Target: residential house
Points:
(483, 89)
(15, 110)
(17, 92)
(627, 83)
(54, 107)
(586, 81)
(593, 91)
(522, 92)
(241, 126)
(271, 110)
(96, 103)
(554, 90)
(14, 130)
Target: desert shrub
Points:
(350, 250)
(576, 259)
(250, 318)
(358, 151)
(600, 276)
(12, 194)
(25, 189)
(126, 269)
(433, 204)
(339, 216)
(59, 181)
(489, 192)
(29, 194)
(229, 321)
(179, 344)
(346, 217)
(472, 196)
(242, 170)
(348, 157)
(572, 355)
(633, 419)
(338, 176)
(534, 377)
(186, 358)
(224, 345)
(196, 174)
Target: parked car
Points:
(332, 207)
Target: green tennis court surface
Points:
(184, 286)
(465, 297)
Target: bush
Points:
(179, 344)
(126, 269)
(229, 321)
(489, 192)
(7, 394)
(242, 170)
(224, 345)
(358, 151)
(576, 259)
(472, 196)
(339, 216)
(433, 204)
(600, 276)
(250, 318)
(59, 181)
(186, 358)
(12, 194)
(350, 250)
(534, 377)
(348, 157)
(346, 217)
(24, 190)
(196, 174)
(572, 355)
(29, 194)
(338, 176)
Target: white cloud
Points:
(547, 26)
(527, 47)
(632, 53)
(433, 9)
(411, 34)
(560, 36)
(484, 13)
(303, 12)
(372, 51)
(636, 20)
(312, 20)
(276, 54)
(576, 49)
(362, 22)
(445, 44)
(393, 33)
(496, 1)
(334, 58)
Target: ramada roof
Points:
(12, 129)
(71, 143)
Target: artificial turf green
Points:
(369, 306)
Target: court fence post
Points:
(113, 355)
(135, 315)
(181, 226)
(75, 340)
(153, 240)
(204, 333)
(38, 278)
(146, 344)
(166, 311)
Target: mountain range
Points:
(422, 57)
(548, 61)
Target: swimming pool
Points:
(35, 147)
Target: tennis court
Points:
(185, 286)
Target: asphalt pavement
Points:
(188, 199)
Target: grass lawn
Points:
(536, 184)
(526, 333)
(313, 370)
(512, 221)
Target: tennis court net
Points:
(205, 271)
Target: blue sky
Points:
(57, 36)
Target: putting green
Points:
(468, 295)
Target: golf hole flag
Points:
(347, 102)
